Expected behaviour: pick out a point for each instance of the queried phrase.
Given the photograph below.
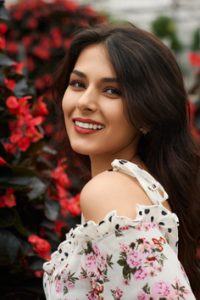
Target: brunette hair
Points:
(155, 98)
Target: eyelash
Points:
(74, 82)
(115, 91)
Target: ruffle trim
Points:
(146, 216)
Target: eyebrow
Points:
(104, 79)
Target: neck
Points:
(101, 164)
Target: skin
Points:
(94, 93)
(89, 95)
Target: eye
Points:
(111, 91)
(76, 84)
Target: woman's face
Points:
(93, 108)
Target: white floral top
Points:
(121, 258)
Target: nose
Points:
(88, 100)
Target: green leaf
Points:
(10, 247)
(65, 290)
(195, 46)
(121, 262)
(89, 248)
(146, 288)
(19, 226)
(23, 178)
(47, 224)
(52, 209)
(163, 26)
(21, 88)
(38, 188)
(126, 272)
(35, 263)
(5, 60)
(7, 217)
(132, 246)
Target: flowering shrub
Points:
(39, 187)
(46, 33)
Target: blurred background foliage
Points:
(39, 179)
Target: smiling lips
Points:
(86, 126)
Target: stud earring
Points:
(143, 130)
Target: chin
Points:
(86, 151)
(80, 150)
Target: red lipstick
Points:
(82, 130)
(87, 121)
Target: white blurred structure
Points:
(186, 13)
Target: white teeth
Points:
(88, 125)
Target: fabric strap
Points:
(151, 186)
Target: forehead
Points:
(95, 59)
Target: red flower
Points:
(24, 129)
(3, 28)
(48, 80)
(2, 43)
(74, 209)
(8, 199)
(19, 68)
(74, 206)
(24, 143)
(16, 136)
(30, 64)
(89, 11)
(40, 246)
(64, 207)
(71, 206)
(38, 274)
(59, 175)
(194, 59)
(67, 42)
(56, 37)
(58, 226)
(18, 14)
(42, 53)
(12, 47)
(10, 84)
(41, 109)
(71, 6)
(27, 41)
(49, 128)
(39, 83)
(10, 148)
(2, 161)
(62, 192)
(32, 23)
(12, 104)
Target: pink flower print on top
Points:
(70, 285)
(58, 284)
(135, 259)
(140, 274)
(91, 263)
(161, 289)
(117, 293)
(143, 296)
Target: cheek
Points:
(125, 131)
(67, 104)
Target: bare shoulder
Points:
(111, 191)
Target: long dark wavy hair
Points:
(155, 98)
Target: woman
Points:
(125, 106)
